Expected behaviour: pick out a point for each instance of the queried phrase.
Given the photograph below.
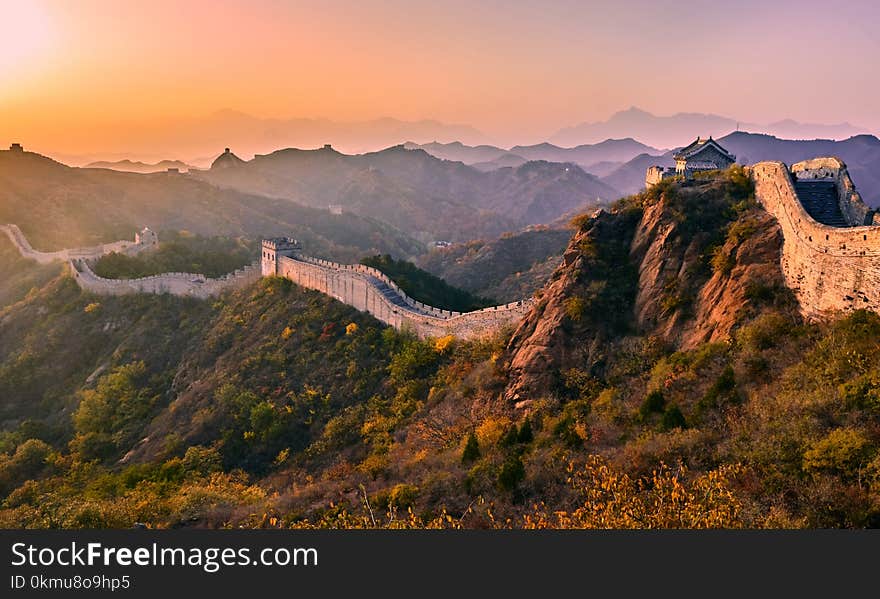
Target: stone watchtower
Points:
(146, 237)
(272, 248)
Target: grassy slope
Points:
(266, 406)
(18, 276)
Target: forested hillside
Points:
(58, 207)
(675, 386)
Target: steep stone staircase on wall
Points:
(819, 199)
(393, 296)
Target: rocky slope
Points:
(683, 266)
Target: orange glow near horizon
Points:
(98, 76)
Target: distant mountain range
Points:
(416, 192)
(191, 139)
(140, 167)
(487, 157)
(679, 129)
(59, 206)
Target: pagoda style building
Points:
(702, 155)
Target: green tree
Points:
(512, 473)
(471, 452)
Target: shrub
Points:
(580, 383)
(566, 430)
(471, 451)
(722, 262)
(510, 438)
(862, 392)
(403, 496)
(575, 307)
(525, 434)
(606, 403)
(512, 473)
(722, 390)
(654, 403)
(202, 461)
(844, 451)
(673, 418)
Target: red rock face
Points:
(678, 299)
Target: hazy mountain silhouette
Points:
(140, 167)
(585, 155)
(502, 161)
(629, 178)
(419, 193)
(458, 151)
(60, 206)
(680, 129)
(609, 150)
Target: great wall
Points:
(830, 259)
(369, 290)
(184, 284)
(831, 238)
(144, 240)
(176, 283)
(362, 287)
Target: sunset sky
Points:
(88, 75)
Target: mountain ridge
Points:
(680, 128)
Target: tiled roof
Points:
(698, 146)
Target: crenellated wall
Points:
(176, 283)
(830, 269)
(850, 201)
(24, 247)
(369, 290)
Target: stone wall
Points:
(830, 269)
(853, 208)
(176, 283)
(369, 290)
(24, 247)
(655, 174)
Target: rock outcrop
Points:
(680, 265)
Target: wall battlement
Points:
(370, 290)
(184, 284)
(144, 240)
(830, 269)
(176, 283)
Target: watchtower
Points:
(146, 236)
(275, 247)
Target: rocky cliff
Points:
(676, 266)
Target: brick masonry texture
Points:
(830, 269)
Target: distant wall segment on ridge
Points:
(829, 268)
(144, 240)
(176, 283)
(369, 290)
